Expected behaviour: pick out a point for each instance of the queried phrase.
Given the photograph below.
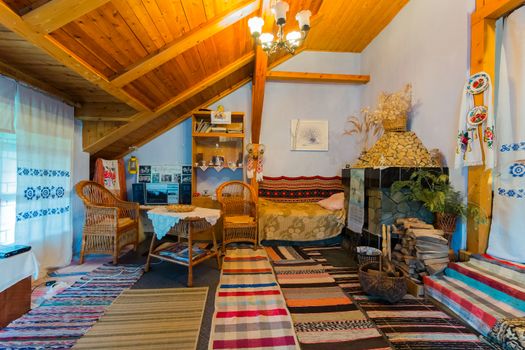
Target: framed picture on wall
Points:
(309, 135)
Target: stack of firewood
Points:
(422, 251)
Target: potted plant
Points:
(439, 197)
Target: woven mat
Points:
(250, 312)
(149, 319)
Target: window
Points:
(7, 188)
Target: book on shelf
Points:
(180, 252)
(218, 129)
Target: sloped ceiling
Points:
(135, 68)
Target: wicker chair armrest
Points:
(128, 209)
(96, 214)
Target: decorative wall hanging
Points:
(469, 143)
(254, 166)
(309, 135)
(220, 116)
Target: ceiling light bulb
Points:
(266, 38)
(255, 24)
(279, 11)
(303, 17)
(293, 38)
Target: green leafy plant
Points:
(437, 195)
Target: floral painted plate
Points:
(478, 83)
(477, 115)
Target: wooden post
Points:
(254, 182)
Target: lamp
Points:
(292, 40)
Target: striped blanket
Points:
(250, 312)
(483, 292)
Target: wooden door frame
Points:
(483, 58)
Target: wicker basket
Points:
(399, 123)
(367, 255)
(180, 208)
(447, 223)
(391, 289)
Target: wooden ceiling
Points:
(135, 68)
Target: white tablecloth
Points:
(16, 268)
(163, 220)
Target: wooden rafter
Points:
(14, 73)
(15, 23)
(259, 75)
(180, 119)
(317, 77)
(188, 41)
(104, 119)
(142, 118)
(495, 9)
(57, 13)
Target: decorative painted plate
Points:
(477, 83)
(477, 115)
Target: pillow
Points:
(334, 202)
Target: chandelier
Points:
(293, 39)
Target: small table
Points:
(183, 225)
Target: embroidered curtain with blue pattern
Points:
(44, 147)
(507, 238)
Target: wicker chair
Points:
(239, 210)
(110, 224)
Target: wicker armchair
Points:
(239, 210)
(110, 223)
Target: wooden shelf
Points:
(218, 134)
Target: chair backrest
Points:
(94, 193)
(236, 198)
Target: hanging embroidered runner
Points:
(250, 312)
(468, 142)
(506, 240)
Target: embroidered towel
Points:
(507, 238)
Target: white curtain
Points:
(507, 236)
(8, 89)
(44, 147)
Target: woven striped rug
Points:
(324, 317)
(59, 322)
(149, 319)
(410, 324)
(250, 312)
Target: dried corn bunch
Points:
(394, 105)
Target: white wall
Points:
(285, 101)
(80, 172)
(427, 45)
(171, 148)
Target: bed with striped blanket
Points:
(288, 209)
(488, 294)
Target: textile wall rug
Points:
(139, 319)
(410, 324)
(60, 321)
(324, 317)
(250, 311)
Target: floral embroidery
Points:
(517, 170)
(44, 192)
(513, 147)
(518, 194)
(489, 136)
(42, 172)
(31, 214)
(463, 140)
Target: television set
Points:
(161, 193)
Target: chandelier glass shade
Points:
(289, 42)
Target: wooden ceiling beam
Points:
(57, 13)
(187, 41)
(189, 114)
(105, 109)
(104, 119)
(142, 118)
(259, 74)
(15, 23)
(495, 9)
(16, 74)
(317, 77)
